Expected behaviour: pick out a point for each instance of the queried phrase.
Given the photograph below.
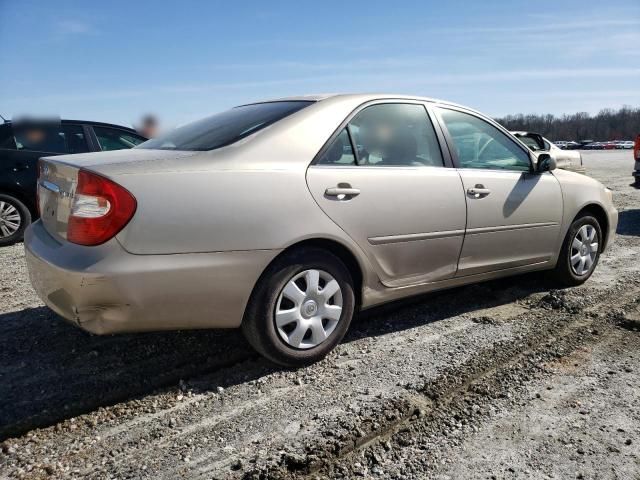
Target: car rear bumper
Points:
(107, 290)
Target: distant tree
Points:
(608, 124)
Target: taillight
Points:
(100, 209)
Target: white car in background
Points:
(565, 159)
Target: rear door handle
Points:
(344, 191)
(478, 191)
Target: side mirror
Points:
(546, 163)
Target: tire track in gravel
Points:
(428, 409)
(140, 431)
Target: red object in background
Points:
(636, 149)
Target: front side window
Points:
(479, 144)
(392, 134)
(114, 139)
(225, 128)
(50, 138)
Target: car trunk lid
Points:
(58, 178)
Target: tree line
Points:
(608, 124)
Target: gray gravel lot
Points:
(506, 379)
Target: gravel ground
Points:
(506, 379)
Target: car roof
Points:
(362, 97)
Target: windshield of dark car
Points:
(225, 128)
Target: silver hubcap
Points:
(308, 309)
(9, 219)
(584, 249)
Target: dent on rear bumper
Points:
(107, 290)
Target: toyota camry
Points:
(286, 217)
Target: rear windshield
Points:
(224, 128)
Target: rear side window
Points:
(391, 134)
(225, 128)
(115, 139)
(50, 138)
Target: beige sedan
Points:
(286, 217)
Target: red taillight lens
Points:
(100, 209)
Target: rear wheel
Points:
(14, 218)
(580, 251)
(301, 308)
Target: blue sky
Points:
(115, 60)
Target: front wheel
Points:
(14, 218)
(580, 252)
(301, 308)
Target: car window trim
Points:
(437, 107)
(93, 139)
(446, 157)
(354, 148)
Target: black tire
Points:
(564, 274)
(25, 220)
(259, 325)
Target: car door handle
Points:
(344, 191)
(478, 191)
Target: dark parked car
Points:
(636, 157)
(23, 143)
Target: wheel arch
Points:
(17, 194)
(332, 246)
(600, 214)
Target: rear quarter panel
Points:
(228, 210)
(221, 210)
